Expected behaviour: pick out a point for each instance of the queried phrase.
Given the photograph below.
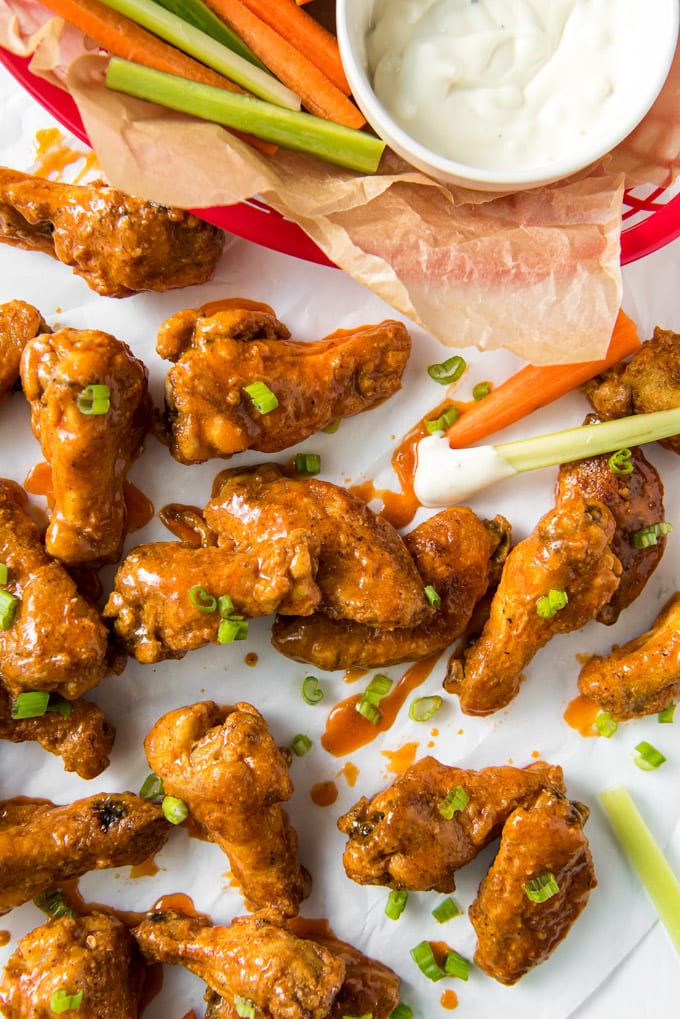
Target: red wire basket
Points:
(651, 216)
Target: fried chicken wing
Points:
(42, 844)
(221, 349)
(256, 957)
(78, 733)
(364, 570)
(569, 552)
(455, 553)
(94, 956)
(515, 933)
(400, 838)
(118, 244)
(56, 640)
(635, 501)
(89, 453)
(642, 676)
(19, 323)
(224, 764)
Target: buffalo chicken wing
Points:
(19, 323)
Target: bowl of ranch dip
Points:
(505, 94)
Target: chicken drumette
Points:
(54, 639)
(223, 763)
(92, 960)
(90, 445)
(222, 348)
(120, 245)
(42, 844)
(401, 838)
(19, 323)
(540, 842)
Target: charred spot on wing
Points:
(109, 813)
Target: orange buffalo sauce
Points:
(402, 758)
(324, 793)
(580, 714)
(147, 868)
(5, 938)
(449, 1000)
(140, 510)
(52, 155)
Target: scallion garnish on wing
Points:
(9, 603)
(201, 599)
(396, 903)
(152, 787)
(650, 535)
(620, 462)
(62, 1001)
(551, 603)
(4, 573)
(456, 799)
(94, 399)
(244, 1007)
(30, 704)
(666, 716)
(231, 629)
(541, 888)
(261, 397)
(174, 810)
(53, 903)
(432, 597)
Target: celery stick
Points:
(644, 853)
(292, 129)
(198, 14)
(199, 45)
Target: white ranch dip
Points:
(501, 84)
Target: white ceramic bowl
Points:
(650, 45)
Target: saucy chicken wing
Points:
(118, 244)
(221, 349)
(42, 844)
(55, 640)
(255, 958)
(569, 554)
(93, 959)
(642, 676)
(223, 763)
(455, 553)
(401, 839)
(541, 841)
(76, 731)
(19, 323)
(89, 448)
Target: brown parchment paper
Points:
(535, 272)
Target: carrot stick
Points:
(306, 34)
(318, 93)
(534, 386)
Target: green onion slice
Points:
(401, 1012)
(244, 1007)
(174, 809)
(4, 573)
(446, 910)
(444, 421)
(648, 758)
(261, 397)
(667, 714)
(308, 463)
(301, 745)
(367, 706)
(94, 400)
(456, 965)
(447, 371)
(225, 606)
(396, 903)
(231, 629)
(456, 799)
(31, 704)
(433, 598)
(605, 724)
(551, 603)
(53, 903)
(62, 1001)
(423, 956)
(650, 535)
(201, 599)
(332, 426)
(152, 787)
(369, 712)
(311, 691)
(423, 708)
(541, 888)
(8, 608)
(481, 390)
(620, 463)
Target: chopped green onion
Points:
(231, 629)
(443, 422)
(261, 396)
(433, 598)
(31, 704)
(401, 1012)
(367, 706)
(646, 857)
(648, 758)
(423, 956)
(620, 463)
(605, 724)
(244, 1007)
(53, 903)
(667, 714)
(198, 14)
(311, 691)
(152, 787)
(456, 966)
(481, 390)
(446, 910)
(650, 535)
(301, 745)
(308, 463)
(423, 708)
(447, 371)
(551, 603)
(456, 799)
(332, 426)
(225, 606)
(94, 400)
(174, 809)
(369, 711)
(541, 888)
(4, 573)
(59, 704)
(8, 608)
(201, 599)
(396, 904)
(62, 1001)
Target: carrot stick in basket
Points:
(535, 386)
(306, 34)
(318, 93)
